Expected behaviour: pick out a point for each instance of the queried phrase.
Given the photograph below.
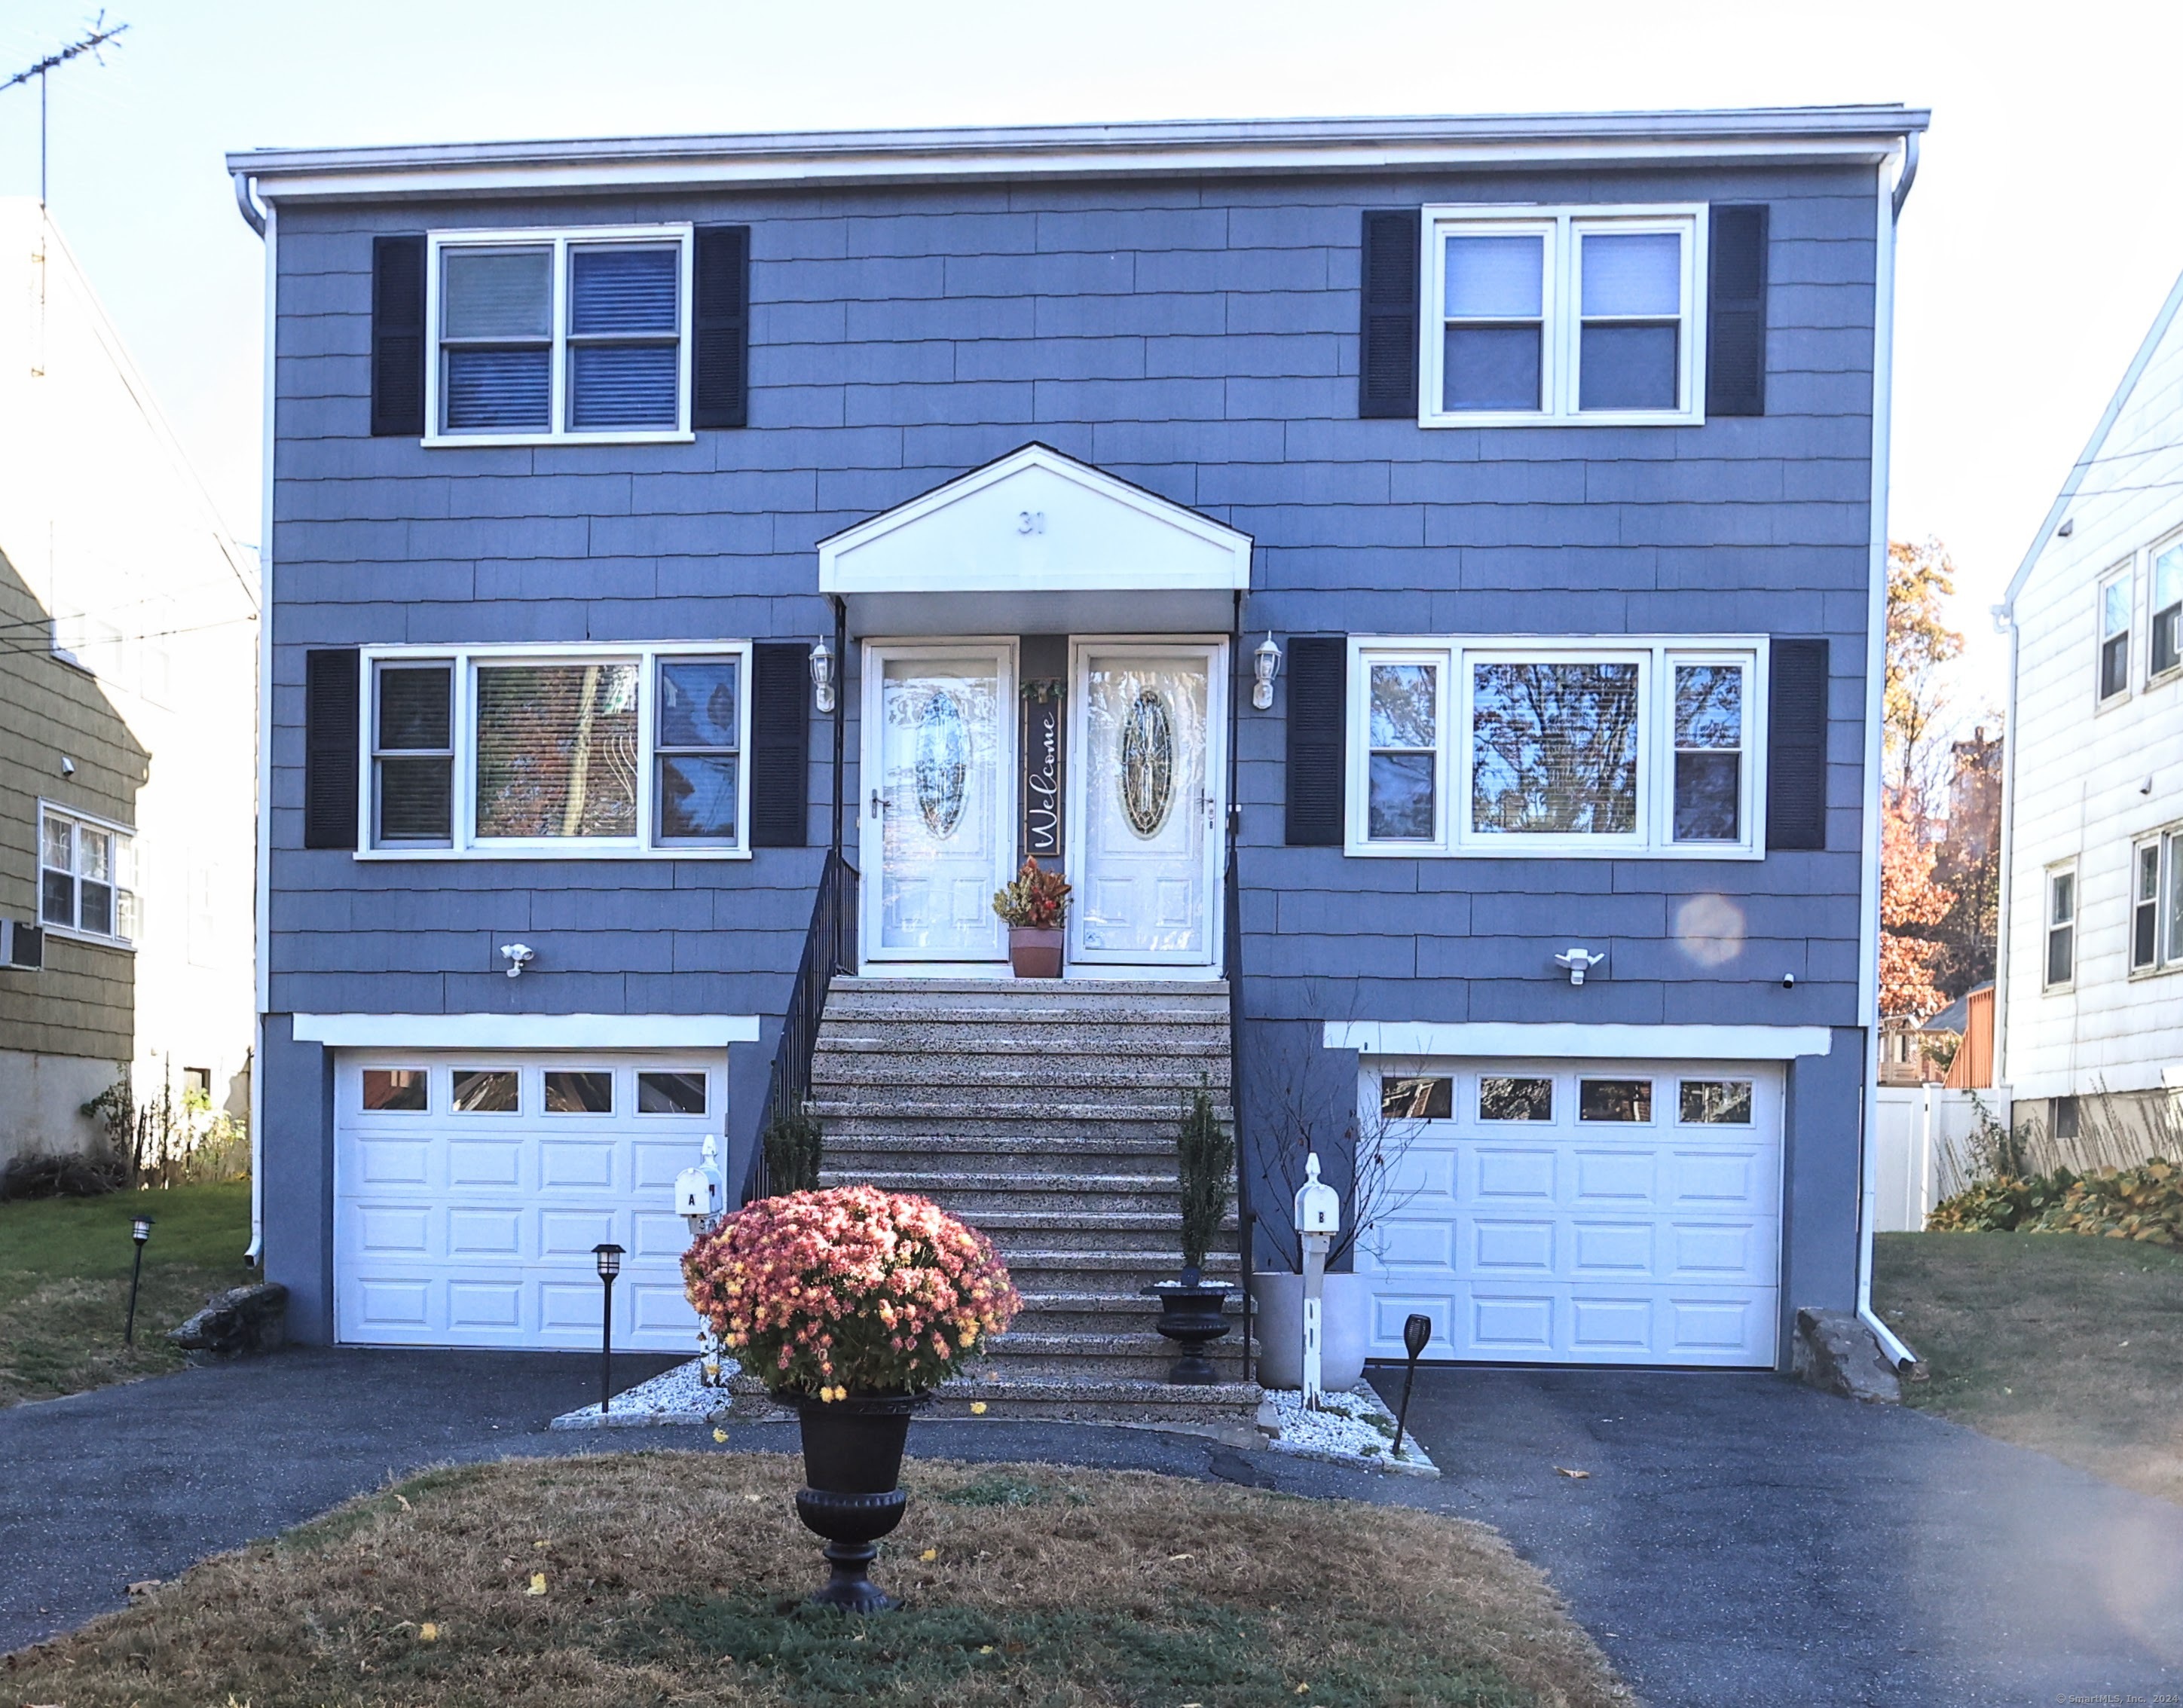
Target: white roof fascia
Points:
(1079, 151)
(2094, 446)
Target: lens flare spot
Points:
(1710, 929)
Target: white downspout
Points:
(2004, 617)
(267, 225)
(1875, 664)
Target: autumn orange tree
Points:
(1914, 694)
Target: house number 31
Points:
(1030, 521)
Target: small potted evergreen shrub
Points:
(1032, 905)
(1193, 1311)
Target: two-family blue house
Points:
(1419, 579)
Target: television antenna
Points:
(99, 34)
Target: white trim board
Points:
(1566, 1041)
(527, 1031)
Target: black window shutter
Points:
(1736, 312)
(1318, 720)
(1797, 745)
(330, 737)
(721, 360)
(781, 744)
(1387, 335)
(397, 337)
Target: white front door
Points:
(1578, 1212)
(939, 807)
(470, 1186)
(1147, 767)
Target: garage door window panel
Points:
(397, 1090)
(485, 1091)
(1502, 1099)
(1417, 1098)
(1629, 1100)
(671, 1094)
(579, 1093)
(1716, 1102)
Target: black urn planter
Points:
(1193, 1314)
(851, 1462)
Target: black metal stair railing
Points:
(1232, 968)
(829, 949)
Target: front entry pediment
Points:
(1035, 522)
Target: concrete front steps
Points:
(1043, 1112)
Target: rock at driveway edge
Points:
(1837, 1354)
(241, 1320)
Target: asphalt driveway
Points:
(1739, 1540)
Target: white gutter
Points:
(1024, 152)
(1875, 663)
(268, 227)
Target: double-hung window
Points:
(2156, 899)
(87, 876)
(557, 751)
(1569, 314)
(2114, 602)
(2061, 925)
(1626, 746)
(569, 334)
(2166, 629)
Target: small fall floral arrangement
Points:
(851, 1289)
(1034, 900)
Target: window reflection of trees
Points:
(556, 750)
(1554, 748)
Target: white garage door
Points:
(470, 1189)
(1591, 1212)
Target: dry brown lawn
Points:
(678, 1578)
(2060, 1342)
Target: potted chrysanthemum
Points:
(851, 1305)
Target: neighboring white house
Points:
(2091, 921)
(128, 689)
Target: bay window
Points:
(557, 751)
(1632, 745)
(559, 334)
(1571, 314)
(87, 876)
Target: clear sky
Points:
(2045, 229)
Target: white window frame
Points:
(559, 240)
(75, 816)
(2124, 574)
(1655, 656)
(1561, 335)
(2048, 925)
(2166, 846)
(2172, 542)
(466, 844)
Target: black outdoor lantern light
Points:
(140, 1230)
(609, 1262)
(1417, 1335)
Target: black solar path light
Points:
(1417, 1334)
(140, 1230)
(609, 1262)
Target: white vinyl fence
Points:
(1924, 1153)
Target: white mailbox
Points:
(1318, 1220)
(697, 1191)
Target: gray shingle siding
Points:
(1198, 337)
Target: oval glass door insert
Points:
(943, 763)
(1146, 773)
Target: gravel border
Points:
(1356, 1428)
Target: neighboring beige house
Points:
(127, 703)
(2092, 915)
